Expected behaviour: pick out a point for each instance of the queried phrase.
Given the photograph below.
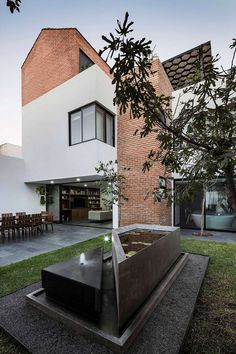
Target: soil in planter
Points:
(134, 241)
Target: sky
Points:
(174, 26)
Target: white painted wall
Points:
(46, 149)
(12, 150)
(15, 195)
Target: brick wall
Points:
(132, 152)
(54, 59)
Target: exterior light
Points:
(106, 238)
(78, 179)
(85, 185)
(51, 182)
(109, 183)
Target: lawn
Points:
(213, 327)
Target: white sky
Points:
(174, 26)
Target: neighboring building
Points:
(69, 124)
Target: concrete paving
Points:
(16, 249)
(217, 236)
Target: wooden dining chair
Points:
(8, 225)
(36, 223)
(47, 220)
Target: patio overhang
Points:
(68, 180)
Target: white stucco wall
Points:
(15, 195)
(12, 150)
(46, 149)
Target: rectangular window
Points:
(88, 123)
(75, 128)
(91, 122)
(109, 129)
(100, 117)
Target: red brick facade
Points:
(54, 59)
(132, 152)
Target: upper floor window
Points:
(84, 61)
(91, 122)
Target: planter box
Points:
(136, 276)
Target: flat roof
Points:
(181, 67)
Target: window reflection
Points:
(91, 122)
(218, 213)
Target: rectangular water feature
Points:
(142, 255)
(76, 284)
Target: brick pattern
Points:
(132, 152)
(54, 59)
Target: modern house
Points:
(69, 124)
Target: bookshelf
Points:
(77, 201)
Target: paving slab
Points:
(216, 236)
(16, 249)
(163, 333)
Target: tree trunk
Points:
(202, 213)
(229, 175)
(119, 215)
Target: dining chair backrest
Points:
(6, 215)
(36, 218)
(8, 221)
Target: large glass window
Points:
(88, 123)
(218, 212)
(100, 117)
(109, 129)
(91, 122)
(75, 128)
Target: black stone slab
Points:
(76, 284)
(163, 333)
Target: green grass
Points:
(213, 327)
(23, 273)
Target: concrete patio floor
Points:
(217, 236)
(16, 249)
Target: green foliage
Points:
(23, 273)
(41, 190)
(14, 5)
(112, 184)
(200, 141)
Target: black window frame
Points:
(105, 110)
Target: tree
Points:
(14, 5)
(200, 142)
(112, 185)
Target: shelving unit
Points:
(77, 201)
